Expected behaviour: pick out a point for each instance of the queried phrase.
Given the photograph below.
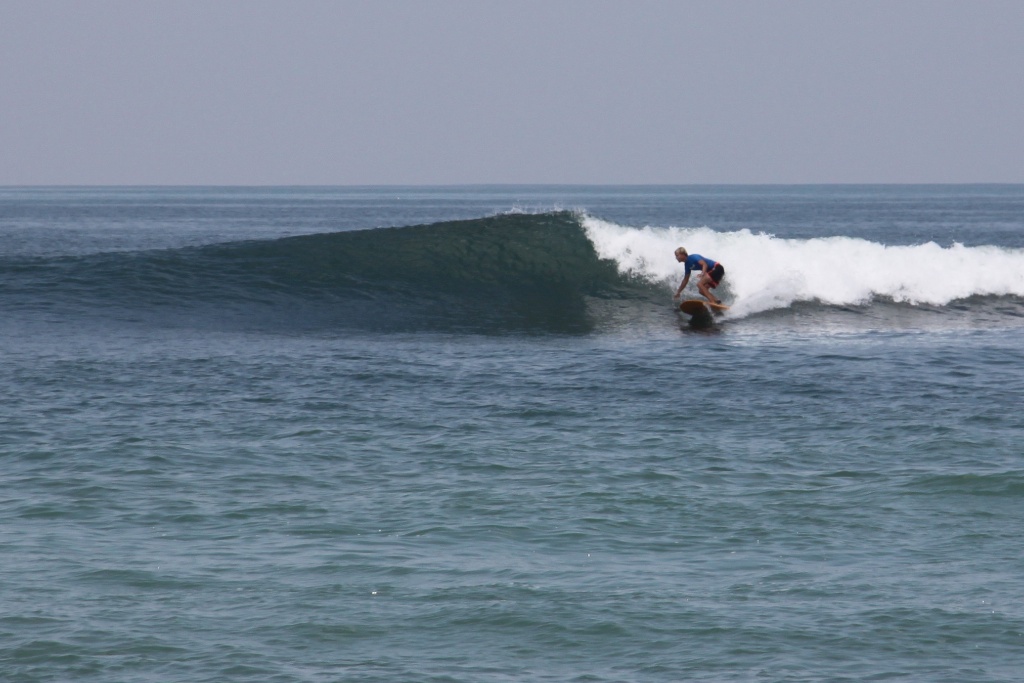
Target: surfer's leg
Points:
(704, 287)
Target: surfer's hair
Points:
(682, 251)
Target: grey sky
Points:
(558, 91)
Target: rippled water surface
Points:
(238, 447)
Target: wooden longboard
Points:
(701, 312)
(695, 307)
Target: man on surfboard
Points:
(713, 272)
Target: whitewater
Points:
(765, 272)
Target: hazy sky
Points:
(555, 91)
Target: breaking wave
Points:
(557, 272)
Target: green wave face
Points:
(504, 254)
(502, 273)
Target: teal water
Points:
(243, 439)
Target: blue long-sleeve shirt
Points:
(693, 262)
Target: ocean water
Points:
(463, 434)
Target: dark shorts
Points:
(716, 274)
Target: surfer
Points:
(712, 277)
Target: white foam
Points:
(765, 272)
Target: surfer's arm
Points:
(682, 285)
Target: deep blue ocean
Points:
(463, 434)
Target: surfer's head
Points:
(681, 254)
